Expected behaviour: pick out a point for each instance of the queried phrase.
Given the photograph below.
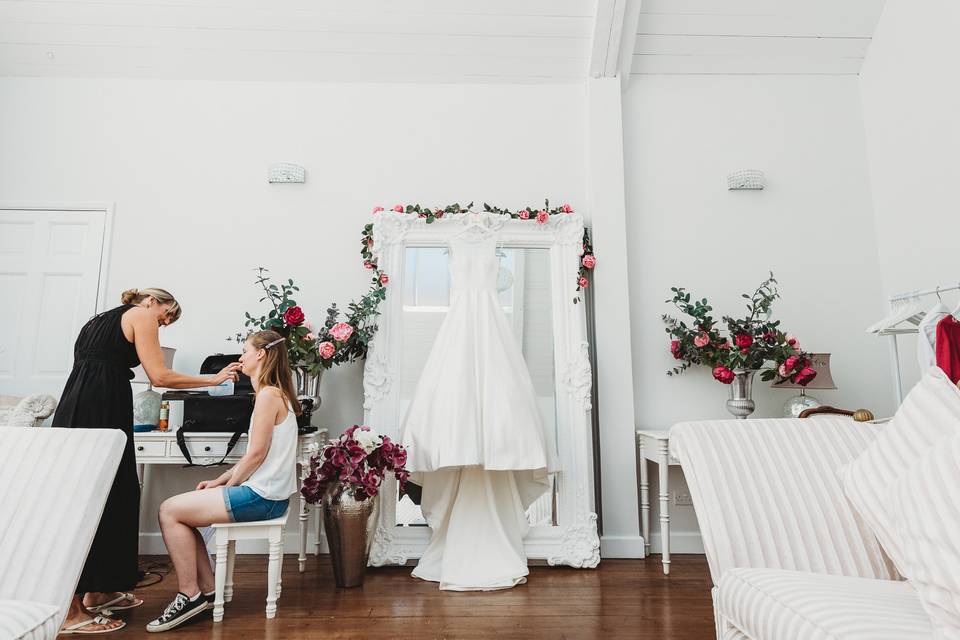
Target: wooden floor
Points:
(621, 599)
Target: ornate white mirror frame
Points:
(574, 540)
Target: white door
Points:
(49, 280)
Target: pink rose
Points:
(293, 316)
(384, 279)
(675, 349)
(743, 340)
(398, 208)
(792, 341)
(367, 264)
(309, 336)
(308, 326)
(377, 209)
(523, 214)
(422, 214)
(805, 376)
(327, 350)
(341, 331)
(370, 241)
(589, 261)
(701, 340)
(723, 374)
(583, 282)
(542, 217)
(438, 213)
(790, 363)
(566, 208)
(783, 371)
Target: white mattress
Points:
(24, 620)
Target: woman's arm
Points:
(266, 415)
(147, 342)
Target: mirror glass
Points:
(523, 285)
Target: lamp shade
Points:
(139, 375)
(821, 364)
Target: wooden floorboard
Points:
(621, 599)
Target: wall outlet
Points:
(682, 500)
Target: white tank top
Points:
(276, 477)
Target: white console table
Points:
(654, 446)
(160, 447)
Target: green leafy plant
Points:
(751, 342)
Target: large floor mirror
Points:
(536, 285)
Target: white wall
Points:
(812, 226)
(185, 163)
(911, 104)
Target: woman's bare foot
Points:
(77, 614)
(94, 600)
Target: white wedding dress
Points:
(476, 441)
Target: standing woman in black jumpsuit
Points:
(98, 395)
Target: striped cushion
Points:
(53, 485)
(776, 604)
(767, 494)
(23, 620)
(926, 509)
(930, 413)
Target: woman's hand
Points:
(208, 484)
(229, 372)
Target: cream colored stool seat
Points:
(226, 537)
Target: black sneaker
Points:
(210, 597)
(179, 611)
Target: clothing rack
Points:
(899, 314)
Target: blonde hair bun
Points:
(136, 296)
(129, 296)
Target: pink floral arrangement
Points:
(752, 343)
(360, 459)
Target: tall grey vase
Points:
(349, 525)
(741, 402)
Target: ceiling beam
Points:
(614, 27)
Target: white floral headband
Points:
(275, 342)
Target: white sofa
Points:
(789, 556)
(53, 485)
(26, 412)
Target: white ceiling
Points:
(754, 36)
(335, 40)
(430, 40)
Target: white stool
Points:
(226, 536)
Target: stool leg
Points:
(280, 574)
(304, 520)
(231, 560)
(220, 577)
(273, 573)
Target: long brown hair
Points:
(162, 296)
(275, 368)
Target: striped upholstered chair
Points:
(789, 557)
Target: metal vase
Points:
(349, 525)
(308, 385)
(741, 402)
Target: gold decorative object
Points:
(862, 415)
(349, 525)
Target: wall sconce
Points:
(745, 180)
(284, 172)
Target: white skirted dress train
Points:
(476, 441)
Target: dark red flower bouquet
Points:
(360, 459)
(752, 343)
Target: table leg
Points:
(644, 499)
(140, 472)
(304, 516)
(664, 464)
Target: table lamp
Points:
(796, 404)
(146, 404)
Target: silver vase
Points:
(349, 525)
(308, 385)
(741, 402)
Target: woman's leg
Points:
(205, 577)
(179, 516)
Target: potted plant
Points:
(345, 478)
(750, 344)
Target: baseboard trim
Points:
(621, 547)
(680, 542)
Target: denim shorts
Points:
(245, 505)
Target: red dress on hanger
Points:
(948, 347)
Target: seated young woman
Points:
(258, 487)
